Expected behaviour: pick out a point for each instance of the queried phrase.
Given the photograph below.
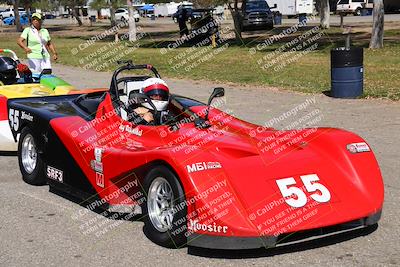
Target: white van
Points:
(353, 6)
(9, 12)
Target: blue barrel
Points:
(364, 12)
(277, 18)
(303, 19)
(347, 72)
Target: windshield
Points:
(257, 5)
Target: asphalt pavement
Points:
(39, 228)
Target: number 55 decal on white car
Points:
(298, 198)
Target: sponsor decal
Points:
(98, 153)
(195, 226)
(358, 147)
(55, 174)
(15, 115)
(131, 130)
(100, 179)
(202, 166)
(97, 166)
(26, 116)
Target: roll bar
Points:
(14, 55)
(128, 66)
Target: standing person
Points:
(38, 44)
(182, 17)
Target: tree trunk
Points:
(131, 22)
(112, 16)
(324, 12)
(16, 15)
(237, 20)
(75, 14)
(378, 25)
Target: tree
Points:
(237, 16)
(131, 22)
(97, 5)
(16, 15)
(111, 4)
(43, 5)
(378, 25)
(74, 5)
(324, 13)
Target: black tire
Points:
(136, 20)
(123, 19)
(37, 175)
(175, 236)
(357, 12)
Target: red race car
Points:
(197, 175)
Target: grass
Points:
(310, 73)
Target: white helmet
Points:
(158, 91)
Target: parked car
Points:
(9, 12)
(123, 15)
(11, 20)
(189, 10)
(257, 15)
(49, 16)
(353, 6)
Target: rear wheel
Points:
(165, 209)
(30, 162)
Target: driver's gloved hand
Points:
(141, 115)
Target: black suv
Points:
(257, 15)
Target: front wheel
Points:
(30, 162)
(165, 209)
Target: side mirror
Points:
(274, 6)
(218, 92)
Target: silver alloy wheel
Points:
(160, 204)
(29, 154)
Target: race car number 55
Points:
(296, 197)
(13, 116)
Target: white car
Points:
(353, 6)
(122, 14)
(9, 12)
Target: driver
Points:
(157, 90)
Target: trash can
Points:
(303, 19)
(347, 72)
(364, 12)
(277, 18)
